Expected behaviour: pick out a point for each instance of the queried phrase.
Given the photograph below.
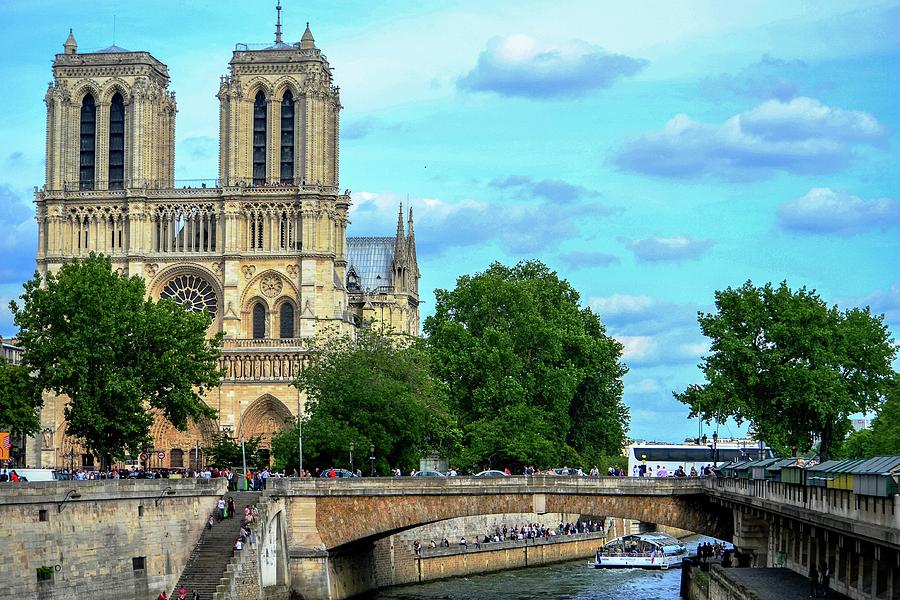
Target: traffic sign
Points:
(144, 456)
(161, 454)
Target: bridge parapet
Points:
(444, 486)
(875, 518)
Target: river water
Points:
(573, 580)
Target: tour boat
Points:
(643, 551)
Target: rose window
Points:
(192, 292)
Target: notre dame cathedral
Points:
(264, 248)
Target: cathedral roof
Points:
(110, 50)
(371, 258)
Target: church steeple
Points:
(307, 41)
(278, 23)
(400, 240)
(70, 47)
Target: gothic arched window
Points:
(117, 143)
(259, 139)
(286, 320)
(192, 292)
(259, 321)
(88, 132)
(287, 137)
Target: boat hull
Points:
(636, 562)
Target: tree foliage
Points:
(371, 389)
(90, 334)
(792, 366)
(882, 438)
(227, 452)
(20, 400)
(533, 378)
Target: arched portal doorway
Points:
(264, 417)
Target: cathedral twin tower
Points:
(263, 249)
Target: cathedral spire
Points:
(70, 46)
(307, 41)
(411, 245)
(400, 240)
(278, 23)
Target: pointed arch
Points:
(283, 85)
(287, 313)
(88, 142)
(265, 416)
(258, 314)
(116, 152)
(287, 137)
(260, 134)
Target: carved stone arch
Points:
(265, 416)
(111, 87)
(167, 438)
(255, 85)
(173, 272)
(286, 83)
(252, 287)
(84, 87)
(247, 314)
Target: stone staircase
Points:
(207, 563)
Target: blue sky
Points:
(651, 153)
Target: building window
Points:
(287, 137)
(42, 516)
(286, 320)
(117, 143)
(177, 458)
(44, 574)
(259, 321)
(192, 292)
(88, 131)
(259, 139)
(139, 563)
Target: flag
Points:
(5, 445)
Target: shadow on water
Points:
(572, 580)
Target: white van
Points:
(35, 474)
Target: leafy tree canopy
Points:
(372, 389)
(883, 438)
(533, 377)
(792, 366)
(90, 334)
(20, 400)
(227, 452)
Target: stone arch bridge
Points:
(333, 526)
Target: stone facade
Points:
(263, 248)
(118, 540)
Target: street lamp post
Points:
(372, 457)
(715, 447)
(351, 457)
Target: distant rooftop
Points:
(110, 50)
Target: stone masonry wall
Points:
(243, 575)
(120, 540)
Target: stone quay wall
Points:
(118, 540)
(440, 563)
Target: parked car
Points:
(429, 473)
(326, 473)
(491, 473)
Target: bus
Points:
(672, 456)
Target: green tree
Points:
(885, 437)
(227, 452)
(792, 366)
(90, 334)
(20, 400)
(533, 377)
(372, 389)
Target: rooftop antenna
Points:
(278, 23)
(114, 30)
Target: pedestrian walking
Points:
(813, 582)
(825, 575)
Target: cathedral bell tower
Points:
(279, 116)
(110, 121)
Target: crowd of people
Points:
(527, 532)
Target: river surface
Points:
(571, 580)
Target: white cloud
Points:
(619, 304)
(825, 211)
(655, 249)
(636, 346)
(644, 386)
(800, 135)
(520, 65)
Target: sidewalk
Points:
(775, 584)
